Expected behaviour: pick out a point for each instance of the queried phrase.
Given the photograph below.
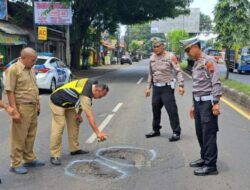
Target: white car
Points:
(51, 72)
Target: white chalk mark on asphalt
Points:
(117, 107)
(139, 81)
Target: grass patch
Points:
(241, 87)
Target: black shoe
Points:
(79, 152)
(174, 137)
(197, 163)
(55, 161)
(153, 134)
(206, 170)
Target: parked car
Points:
(126, 59)
(51, 72)
(135, 58)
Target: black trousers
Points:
(206, 125)
(165, 96)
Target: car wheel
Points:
(53, 85)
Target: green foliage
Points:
(135, 46)
(140, 33)
(105, 16)
(205, 22)
(232, 19)
(174, 38)
(241, 87)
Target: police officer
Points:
(64, 101)
(206, 108)
(23, 96)
(161, 78)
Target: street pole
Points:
(68, 54)
(34, 25)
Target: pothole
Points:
(93, 169)
(127, 156)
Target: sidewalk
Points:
(97, 71)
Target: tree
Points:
(205, 23)
(232, 24)
(174, 38)
(141, 33)
(106, 15)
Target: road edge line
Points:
(229, 103)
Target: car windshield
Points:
(40, 61)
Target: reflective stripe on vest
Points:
(77, 85)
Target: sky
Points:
(206, 7)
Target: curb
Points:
(236, 96)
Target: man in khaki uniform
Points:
(23, 96)
(75, 95)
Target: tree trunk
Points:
(75, 55)
(227, 63)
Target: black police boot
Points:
(153, 134)
(206, 170)
(174, 137)
(197, 163)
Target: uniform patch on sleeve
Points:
(174, 59)
(210, 67)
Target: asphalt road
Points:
(244, 77)
(126, 115)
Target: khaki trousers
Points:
(22, 135)
(59, 116)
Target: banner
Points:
(47, 13)
(3, 10)
(42, 33)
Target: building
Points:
(12, 40)
(190, 23)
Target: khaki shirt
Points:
(86, 103)
(163, 68)
(22, 82)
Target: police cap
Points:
(157, 41)
(189, 42)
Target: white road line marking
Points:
(117, 107)
(101, 127)
(230, 104)
(141, 79)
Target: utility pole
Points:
(34, 25)
(68, 53)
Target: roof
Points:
(12, 29)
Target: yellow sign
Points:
(42, 33)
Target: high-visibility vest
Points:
(77, 85)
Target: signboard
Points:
(47, 13)
(3, 10)
(42, 33)
(6, 39)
